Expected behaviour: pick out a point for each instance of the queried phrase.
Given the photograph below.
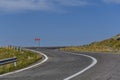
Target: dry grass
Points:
(25, 58)
(108, 45)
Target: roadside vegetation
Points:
(108, 45)
(25, 58)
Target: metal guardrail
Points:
(8, 60)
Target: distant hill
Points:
(108, 45)
(117, 37)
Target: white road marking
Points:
(46, 58)
(94, 62)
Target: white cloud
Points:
(23, 4)
(112, 1)
(73, 2)
(13, 5)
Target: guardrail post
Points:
(9, 60)
(15, 64)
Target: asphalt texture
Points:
(61, 65)
(107, 68)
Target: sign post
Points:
(37, 40)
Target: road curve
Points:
(107, 68)
(61, 65)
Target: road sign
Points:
(38, 41)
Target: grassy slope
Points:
(25, 58)
(107, 45)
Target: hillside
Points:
(109, 45)
(25, 58)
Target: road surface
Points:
(61, 65)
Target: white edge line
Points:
(46, 58)
(94, 62)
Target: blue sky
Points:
(58, 22)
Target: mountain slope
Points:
(108, 45)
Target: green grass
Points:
(25, 58)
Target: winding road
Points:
(62, 65)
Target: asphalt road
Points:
(107, 68)
(61, 65)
